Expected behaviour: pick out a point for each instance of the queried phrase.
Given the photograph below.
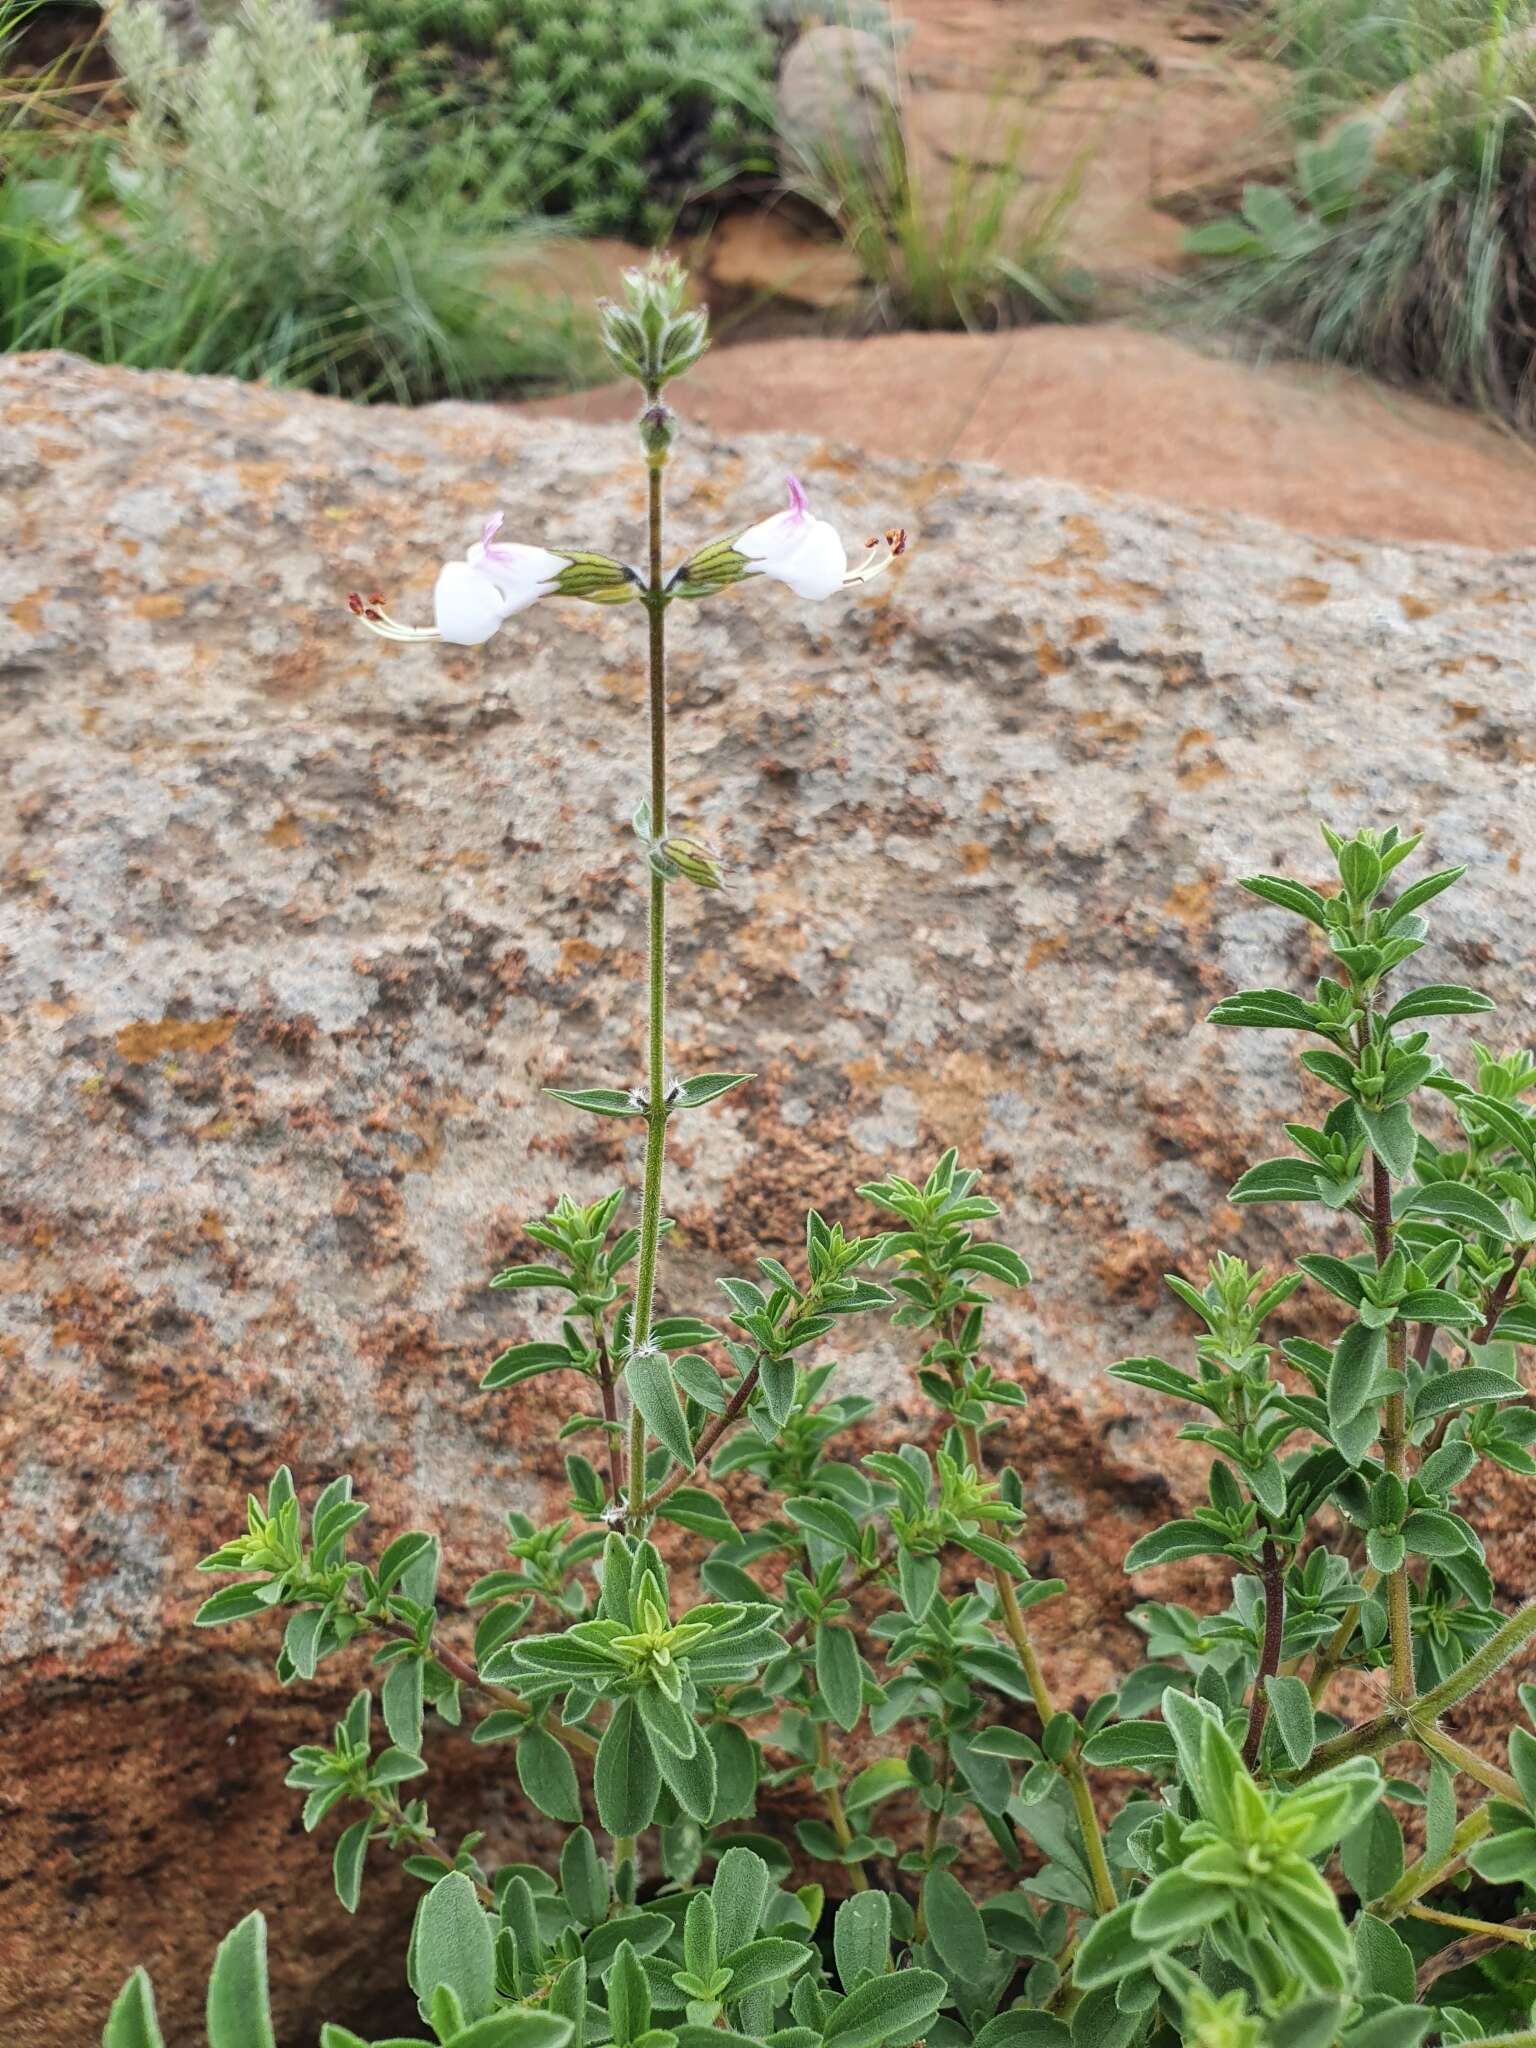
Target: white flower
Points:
(792, 546)
(795, 548)
(473, 598)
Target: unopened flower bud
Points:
(658, 430)
(650, 336)
(598, 579)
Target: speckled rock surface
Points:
(297, 925)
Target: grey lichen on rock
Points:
(297, 927)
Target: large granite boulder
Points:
(297, 925)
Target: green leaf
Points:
(768, 1960)
(1438, 999)
(888, 2008)
(1109, 1950)
(347, 1863)
(1175, 1540)
(838, 1676)
(861, 1937)
(132, 2022)
(1468, 1386)
(690, 1780)
(741, 1888)
(1175, 1907)
(1454, 1202)
(400, 1699)
(452, 1944)
(584, 1878)
(526, 1362)
(1277, 1180)
(707, 1088)
(1522, 1762)
(1265, 1009)
(1132, 1746)
(547, 1775)
(1357, 1359)
(1507, 1858)
(239, 2014)
(1372, 1853)
(1383, 1959)
(600, 1101)
(824, 1518)
(231, 1603)
(954, 1927)
(1392, 1137)
(649, 1379)
(1291, 1705)
(1279, 889)
(626, 1779)
(401, 1555)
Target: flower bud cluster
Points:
(650, 334)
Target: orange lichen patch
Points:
(1195, 736)
(1085, 543)
(1102, 725)
(138, 1043)
(287, 832)
(27, 612)
(1305, 590)
(1190, 903)
(1463, 714)
(56, 1013)
(974, 856)
(954, 1099)
(261, 479)
(1198, 773)
(1045, 949)
(576, 954)
(1051, 659)
(1088, 627)
(1417, 607)
(158, 604)
(992, 801)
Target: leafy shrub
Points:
(1419, 260)
(254, 232)
(852, 1632)
(613, 116)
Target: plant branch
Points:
(1334, 1650)
(1457, 1954)
(1269, 1659)
(1467, 1761)
(1482, 1664)
(832, 1799)
(1394, 1440)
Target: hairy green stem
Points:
(1482, 1664)
(1473, 1766)
(1426, 1872)
(656, 1031)
(1269, 1657)
(837, 1815)
(1394, 1441)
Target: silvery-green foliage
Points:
(264, 142)
(773, 1666)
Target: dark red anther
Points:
(354, 604)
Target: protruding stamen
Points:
(373, 615)
(883, 550)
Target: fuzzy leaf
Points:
(239, 2015)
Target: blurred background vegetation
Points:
(404, 199)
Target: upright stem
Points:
(656, 949)
(832, 1799)
(1394, 1440)
(1269, 1659)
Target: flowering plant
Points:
(817, 1787)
